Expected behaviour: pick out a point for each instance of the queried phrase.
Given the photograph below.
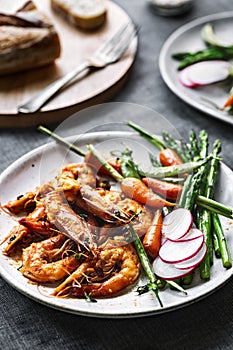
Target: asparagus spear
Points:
(224, 251)
(211, 179)
(195, 156)
(216, 244)
(186, 150)
(214, 165)
(194, 145)
(203, 215)
(212, 53)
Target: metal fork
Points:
(110, 52)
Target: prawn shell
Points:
(67, 221)
(41, 261)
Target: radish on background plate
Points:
(205, 73)
(184, 79)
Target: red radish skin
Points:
(177, 223)
(168, 271)
(194, 261)
(193, 233)
(184, 79)
(207, 72)
(174, 252)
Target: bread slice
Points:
(85, 14)
(27, 40)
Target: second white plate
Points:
(188, 39)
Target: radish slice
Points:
(168, 271)
(208, 72)
(177, 223)
(194, 261)
(174, 252)
(184, 79)
(193, 233)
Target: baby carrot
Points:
(137, 190)
(166, 189)
(152, 239)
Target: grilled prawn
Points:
(112, 269)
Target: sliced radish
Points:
(174, 252)
(184, 79)
(208, 72)
(177, 223)
(193, 233)
(194, 261)
(168, 271)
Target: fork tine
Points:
(113, 40)
(123, 44)
(119, 39)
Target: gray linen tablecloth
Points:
(206, 324)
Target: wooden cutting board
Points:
(85, 91)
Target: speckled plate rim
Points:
(129, 304)
(165, 60)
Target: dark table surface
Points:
(207, 324)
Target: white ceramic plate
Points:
(41, 165)
(188, 38)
